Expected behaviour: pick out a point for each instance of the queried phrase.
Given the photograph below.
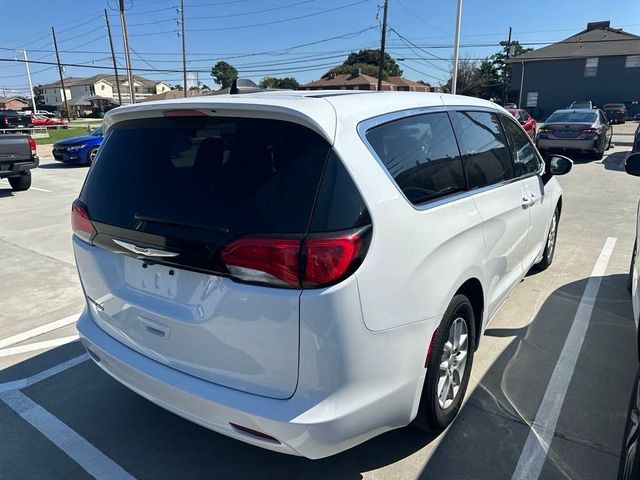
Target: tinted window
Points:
(484, 149)
(524, 155)
(339, 205)
(191, 177)
(421, 155)
(572, 117)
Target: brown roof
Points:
(597, 40)
(9, 99)
(344, 79)
(406, 83)
(171, 94)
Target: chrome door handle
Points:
(533, 199)
(526, 202)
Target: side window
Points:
(521, 116)
(525, 159)
(421, 155)
(484, 148)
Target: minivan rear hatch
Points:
(162, 200)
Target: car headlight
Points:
(75, 148)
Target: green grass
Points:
(56, 134)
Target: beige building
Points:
(78, 88)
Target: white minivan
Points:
(303, 271)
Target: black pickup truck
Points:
(10, 119)
(17, 157)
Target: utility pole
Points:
(504, 71)
(26, 64)
(64, 91)
(113, 56)
(184, 53)
(383, 41)
(456, 49)
(127, 55)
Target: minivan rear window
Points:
(190, 176)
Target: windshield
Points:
(97, 132)
(572, 117)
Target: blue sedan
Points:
(78, 150)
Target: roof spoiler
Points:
(244, 85)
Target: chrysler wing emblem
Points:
(147, 252)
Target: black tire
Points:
(21, 183)
(550, 244)
(598, 154)
(432, 416)
(629, 466)
(633, 259)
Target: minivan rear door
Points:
(165, 195)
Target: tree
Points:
(224, 74)
(178, 87)
(367, 60)
(38, 93)
(502, 69)
(287, 83)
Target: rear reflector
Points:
(80, 222)
(254, 433)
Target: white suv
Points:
(304, 271)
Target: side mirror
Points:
(559, 164)
(632, 164)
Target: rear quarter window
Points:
(421, 155)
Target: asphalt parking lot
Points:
(61, 417)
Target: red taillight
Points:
(589, 130)
(184, 113)
(6, 120)
(266, 260)
(81, 223)
(277, 261)
(327, 259)
(32, 147)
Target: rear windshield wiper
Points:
(146, 218)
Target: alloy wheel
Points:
(453, 362)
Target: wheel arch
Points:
(472, 289)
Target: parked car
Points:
(18, 157)
(79, 150)
(526, 120)
(303, 272)
(42, 121)
(615, 112)
(10, 119)
(580, 130)
(629, 466)
(577, 104)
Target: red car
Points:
(42, 121)
(525, 120)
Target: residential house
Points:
(13, 103)
(80, 89)
(356, 80)
(600, 63)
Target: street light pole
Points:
(456, 49)
(113, 57)
(33, 98)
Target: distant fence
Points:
(35, 132)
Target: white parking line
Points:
(56, 342)
(535, 450)
(48, 327)
(40, 189)
(66, 439)
(38, 377)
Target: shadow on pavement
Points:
(615, 161)
(6, 192)
(58, 165)
(483, 443)
(493, 426)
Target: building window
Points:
(591, 67)
(633, 61)
(532, 99)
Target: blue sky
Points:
(321, 32)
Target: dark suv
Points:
(615, 112)
(10, 119)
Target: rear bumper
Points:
(567, 144)
(10, 169)
(313, 424)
